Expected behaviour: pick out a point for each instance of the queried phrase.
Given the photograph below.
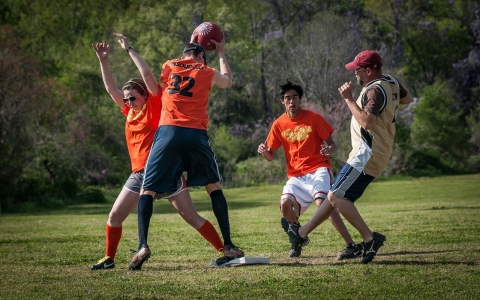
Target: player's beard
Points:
(360, 81)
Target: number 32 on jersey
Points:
(175, 83)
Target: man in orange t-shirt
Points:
(307, 142)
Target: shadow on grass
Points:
(322, 261)
(426, 263)
(439, 208)
(159, 207)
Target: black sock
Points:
(220, 209)
(145, 211)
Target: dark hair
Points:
(136, 84)
(291, 86)
(195, 49)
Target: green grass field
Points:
(432, 250)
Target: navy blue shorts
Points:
(176, 150)
(350, 183)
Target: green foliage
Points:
(54, 108)
(473, 121)
(451, 40)
(257, 171)
(438, 131)
(91, 194)
(228, 149)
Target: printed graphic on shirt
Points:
(300, 133)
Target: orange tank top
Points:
(140, 130)
(187, 85)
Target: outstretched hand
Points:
(102, 50)
(123, 41)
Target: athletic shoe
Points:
(232, 251)
(351, 251)
(220, 261)
(284, 220)
(103, 264)
(295, 251)
(292, 231)
(229, 253)
(371, 248)
(139, 258)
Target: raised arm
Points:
(223, 78)
(366, 120)
(102, 50)
(145, 71)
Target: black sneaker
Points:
(220, 261)
(295, 251)
(370, 249)
(351, 251)
(232, 251)
(103, 264)
(284, 220)
(292, 231)
(139, 258)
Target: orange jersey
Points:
(301, 138)
(187, 84)
(140, 130)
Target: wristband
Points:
(128, 49)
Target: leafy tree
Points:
(228, 149)
(473, 121)
(438, 132)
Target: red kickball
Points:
(206, 32)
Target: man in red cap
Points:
(372, 130)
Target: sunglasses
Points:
(359, 70)
(131, 99)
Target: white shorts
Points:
(304, 190)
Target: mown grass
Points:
(432, 250)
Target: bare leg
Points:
(286, 206)
(125, 203)
(185, 208)
(337, 222)
(322, 213)
(351, 214)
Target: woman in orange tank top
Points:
(140, 101)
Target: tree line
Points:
(62, 138)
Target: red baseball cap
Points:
(365, 59)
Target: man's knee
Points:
(213, 187)
(332, 198)
(145, 192)
(286, 205)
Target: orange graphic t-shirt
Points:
(187, 85)
(301, 138)
(140, 130)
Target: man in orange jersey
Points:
(181, 143)
(307, 140)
